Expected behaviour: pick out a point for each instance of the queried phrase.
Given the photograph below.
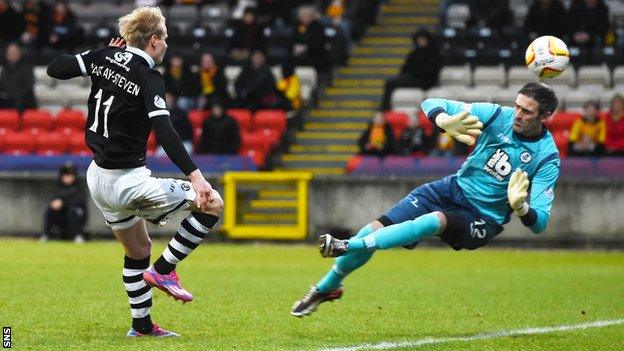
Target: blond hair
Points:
(138, 26)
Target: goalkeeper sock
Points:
(191, 232)
(396, 235)
(139, 293)
(345, 265)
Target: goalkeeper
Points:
(512, 171)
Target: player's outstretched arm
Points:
(64, 67)
(461, 126)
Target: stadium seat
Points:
(196, 117)
(519, 75)
(73, 119)
(456, 76)
(78, 146)
(9, 119)
(51, 143)
(426, 123)
(397, 120)
(152, 143)
(273, 135)
(561, 140)
(243, 117)
(365, 165)
(490, 76)
(594, 76)
(444, 92)
(18, 143)
(39, 119)
(256, 141)
(562, 121)
(407, 98)
(257, 155)
(618, 75)
(273, 119)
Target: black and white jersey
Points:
(126, 92)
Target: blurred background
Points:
(330, 89)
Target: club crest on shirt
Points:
(549, 193)
(159, 102)
(185, 187)
(525, 157)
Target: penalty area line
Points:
(389, 345)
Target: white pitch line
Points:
(388, 345)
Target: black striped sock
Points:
(139, 293)
(191, 232)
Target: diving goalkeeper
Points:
(512, 170)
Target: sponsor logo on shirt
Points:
(498, 165)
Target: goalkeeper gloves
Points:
(462, 126)
(517, 192)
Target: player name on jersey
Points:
(116, 78)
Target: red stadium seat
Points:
(398, 120)
(18, 143)
(72, 119)
(256, 141)
(196, 117)
(9, 119)
(257, 155)
(562, 121)
(39, 119)
(242, 116)
(197, 133)
(273, 119)
(273, 135)
(51, 143)
(77, 145)
(152, 143)
(426, 123)
(561, 140)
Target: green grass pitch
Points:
(61, 296)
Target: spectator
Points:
(289, 88)
(11, 23)
(414, 139)
(378, 138)
(255, 86)
(64, 32)
(247, 37)
(420, 70)
(180, 81)
(588, 22)
(220, 132)
(338, 13)
(16, 81)
(66, 214)
(308, 40)
(545, 18)
(614, 142)
(588, 133)
(212, 82)
(488, 13)
(36, 14)
(181, 124)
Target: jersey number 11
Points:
(107, 105)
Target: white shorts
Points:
(126, 195)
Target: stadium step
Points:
(336, 113)
(368, 83)
(276, 194)
(384, 61)
(326, 148)
(269, 218)
(348, 104)
(330, 132)
(273, 203)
